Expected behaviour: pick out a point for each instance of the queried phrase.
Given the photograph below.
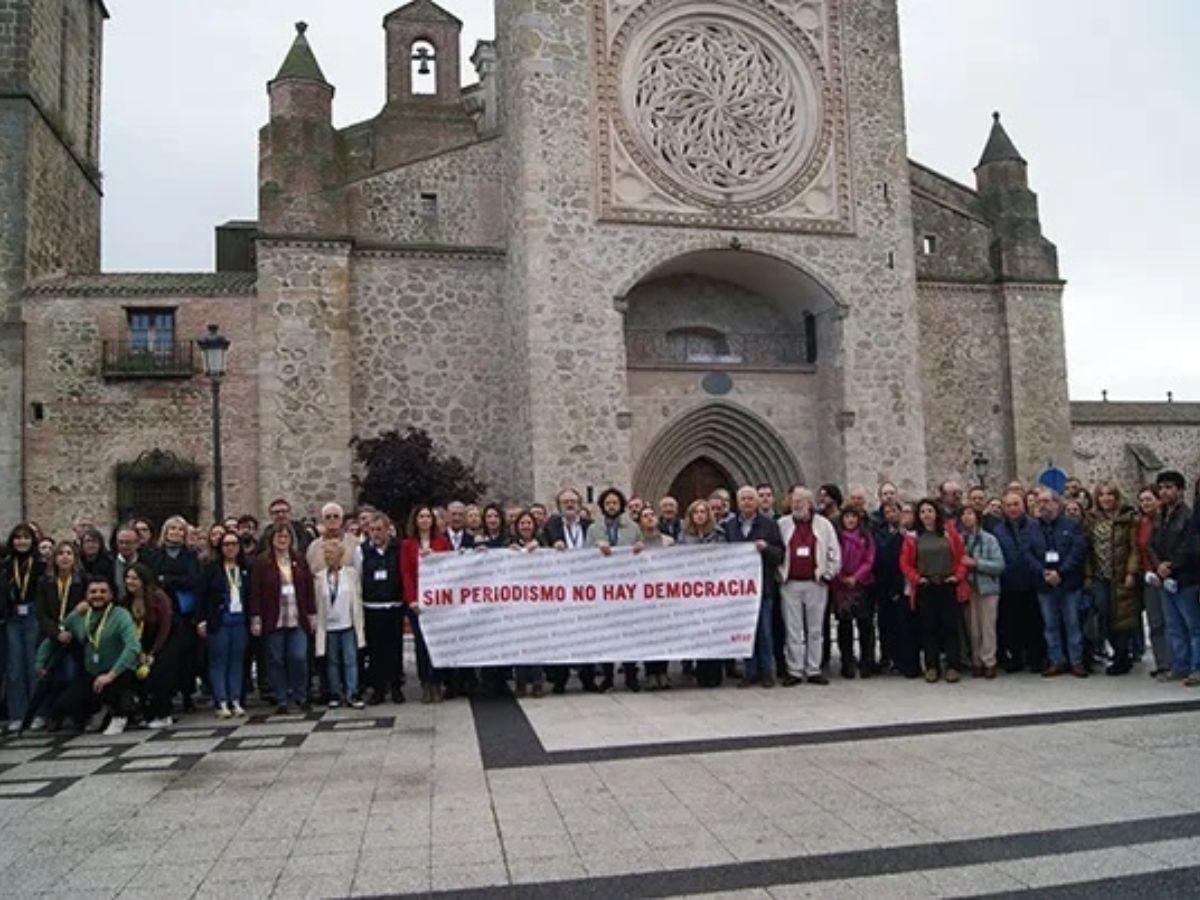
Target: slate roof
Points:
(300, 63)
(1134, 413)
(1000, 147)
(149, 284)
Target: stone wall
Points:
(567, 267)
(428, 341)
(305, 371)
(1106, 433)
(949, 213)
(1037, 360)
(467, 209)
(91, 424)
(966, 379)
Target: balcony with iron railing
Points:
(165, 359)
(700, 349)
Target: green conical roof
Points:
(300, 64)
(1000, 147)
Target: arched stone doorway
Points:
(716, 441)
(734, 356)
(698, 480)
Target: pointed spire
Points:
(1000, 147)
(300, 64)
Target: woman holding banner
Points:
(423, 538)
(530, 679)
(699, 527)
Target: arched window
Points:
(424, 68)
(699, 345)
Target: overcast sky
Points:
(1100, 96)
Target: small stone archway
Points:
(728, 435)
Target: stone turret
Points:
(1019, 250)
(298, 155)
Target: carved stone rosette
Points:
(722, 113)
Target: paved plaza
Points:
(880, 788)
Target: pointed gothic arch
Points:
(733, 437)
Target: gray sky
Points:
(1099, 96)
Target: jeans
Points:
(226, 661)
(1061, 608)
(341, 663)
(761, 664)
(21, 639)
(287, 656)
(1102, 599)
(1183, 629)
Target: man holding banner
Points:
(613, 530)
(751, 526)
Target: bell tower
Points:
(422, 55)
(49, 180)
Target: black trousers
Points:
(558, 675)
(587, 672)
(157, 689)
(778, 634)
(385, 648)
(79, 699)
(937, 605)
(862, 616)
(1020, 638)
(188, 662)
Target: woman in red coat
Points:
(423, 539)
(934, 564)
(283, 612)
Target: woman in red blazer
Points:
(934, 565)
(423, 539)
(283, 611)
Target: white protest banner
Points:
(502, 607)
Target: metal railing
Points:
(782, 350)
(126, 359)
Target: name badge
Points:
(235, 602)
(96, 659)
(1052, 557)
(22, 609)
(381, 574)
(804, 552)
(288, 590)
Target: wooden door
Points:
(698, 480)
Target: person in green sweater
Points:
(108, 638)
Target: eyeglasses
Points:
(282, 511)
(333, 515)
(231, 543)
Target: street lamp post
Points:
(980, 460)
(213, 347)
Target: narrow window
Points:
(424, 68)
(929, 244)
(429, 206)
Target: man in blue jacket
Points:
(1057, 551)
(1020, 623)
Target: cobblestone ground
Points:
(880, 788)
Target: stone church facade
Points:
(665, 244)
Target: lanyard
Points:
(64, 592)
(22, 583)
(94, 639)
(573, 534)
(234, 577)
(331, 579)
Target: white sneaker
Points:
(222, 711)
(38, 724)
(116, 725)
(13, 727)
(156, 724)
(237, 709)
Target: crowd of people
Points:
(957, 583)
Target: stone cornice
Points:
(429, 251)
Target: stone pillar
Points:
(559, 290)
(305, 372)
(1037, 365)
